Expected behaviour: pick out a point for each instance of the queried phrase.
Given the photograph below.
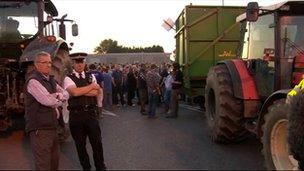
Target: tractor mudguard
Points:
(280, 94)
(42, 44)
(244, 86)
(242, 80)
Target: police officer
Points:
(82, 104)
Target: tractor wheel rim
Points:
(281, 157)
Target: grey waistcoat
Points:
(38, 116)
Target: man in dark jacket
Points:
(118, 85)
(97, 74)
(42, 97)
(177, 84)
(142, 88)
(131, 86)
(83, 108)
(99, 78)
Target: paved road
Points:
(132, 141)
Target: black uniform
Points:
(84, 123)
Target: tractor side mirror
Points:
(252, 11)
(74, 29)
(62, 32)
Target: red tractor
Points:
(27, 27)
(248, 94)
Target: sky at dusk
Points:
(130, 22)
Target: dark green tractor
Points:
(28, 27)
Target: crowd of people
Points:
(147, 85)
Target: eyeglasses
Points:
(46, 62)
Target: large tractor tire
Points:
(224, 112)
(61, 65)
(296, 129)
(60, 68)
(275, 145)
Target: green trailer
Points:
(205, 35)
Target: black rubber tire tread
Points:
(63, 133)
(225, 114)
(277, 111)
(60, 68)
(61, 65)
(296, 128)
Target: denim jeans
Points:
(153, 99)
(107, 99)
(118, 90)
(167, 99)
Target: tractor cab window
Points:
(292, 36)
(18, 21)
(259, 39)
(292, 49)
(258, 51)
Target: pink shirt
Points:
(40, 93)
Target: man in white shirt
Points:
(167, 95)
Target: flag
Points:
(168, 24)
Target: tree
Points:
(106, 46)
(111, 46)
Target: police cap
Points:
(78, 57)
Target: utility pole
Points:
(222, 2)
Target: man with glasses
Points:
(83, 108)
(42, 97)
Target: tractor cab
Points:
(272, 44)
(18, 21)
(18, 24)
(23, 22)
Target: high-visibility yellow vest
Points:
(297, 89)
